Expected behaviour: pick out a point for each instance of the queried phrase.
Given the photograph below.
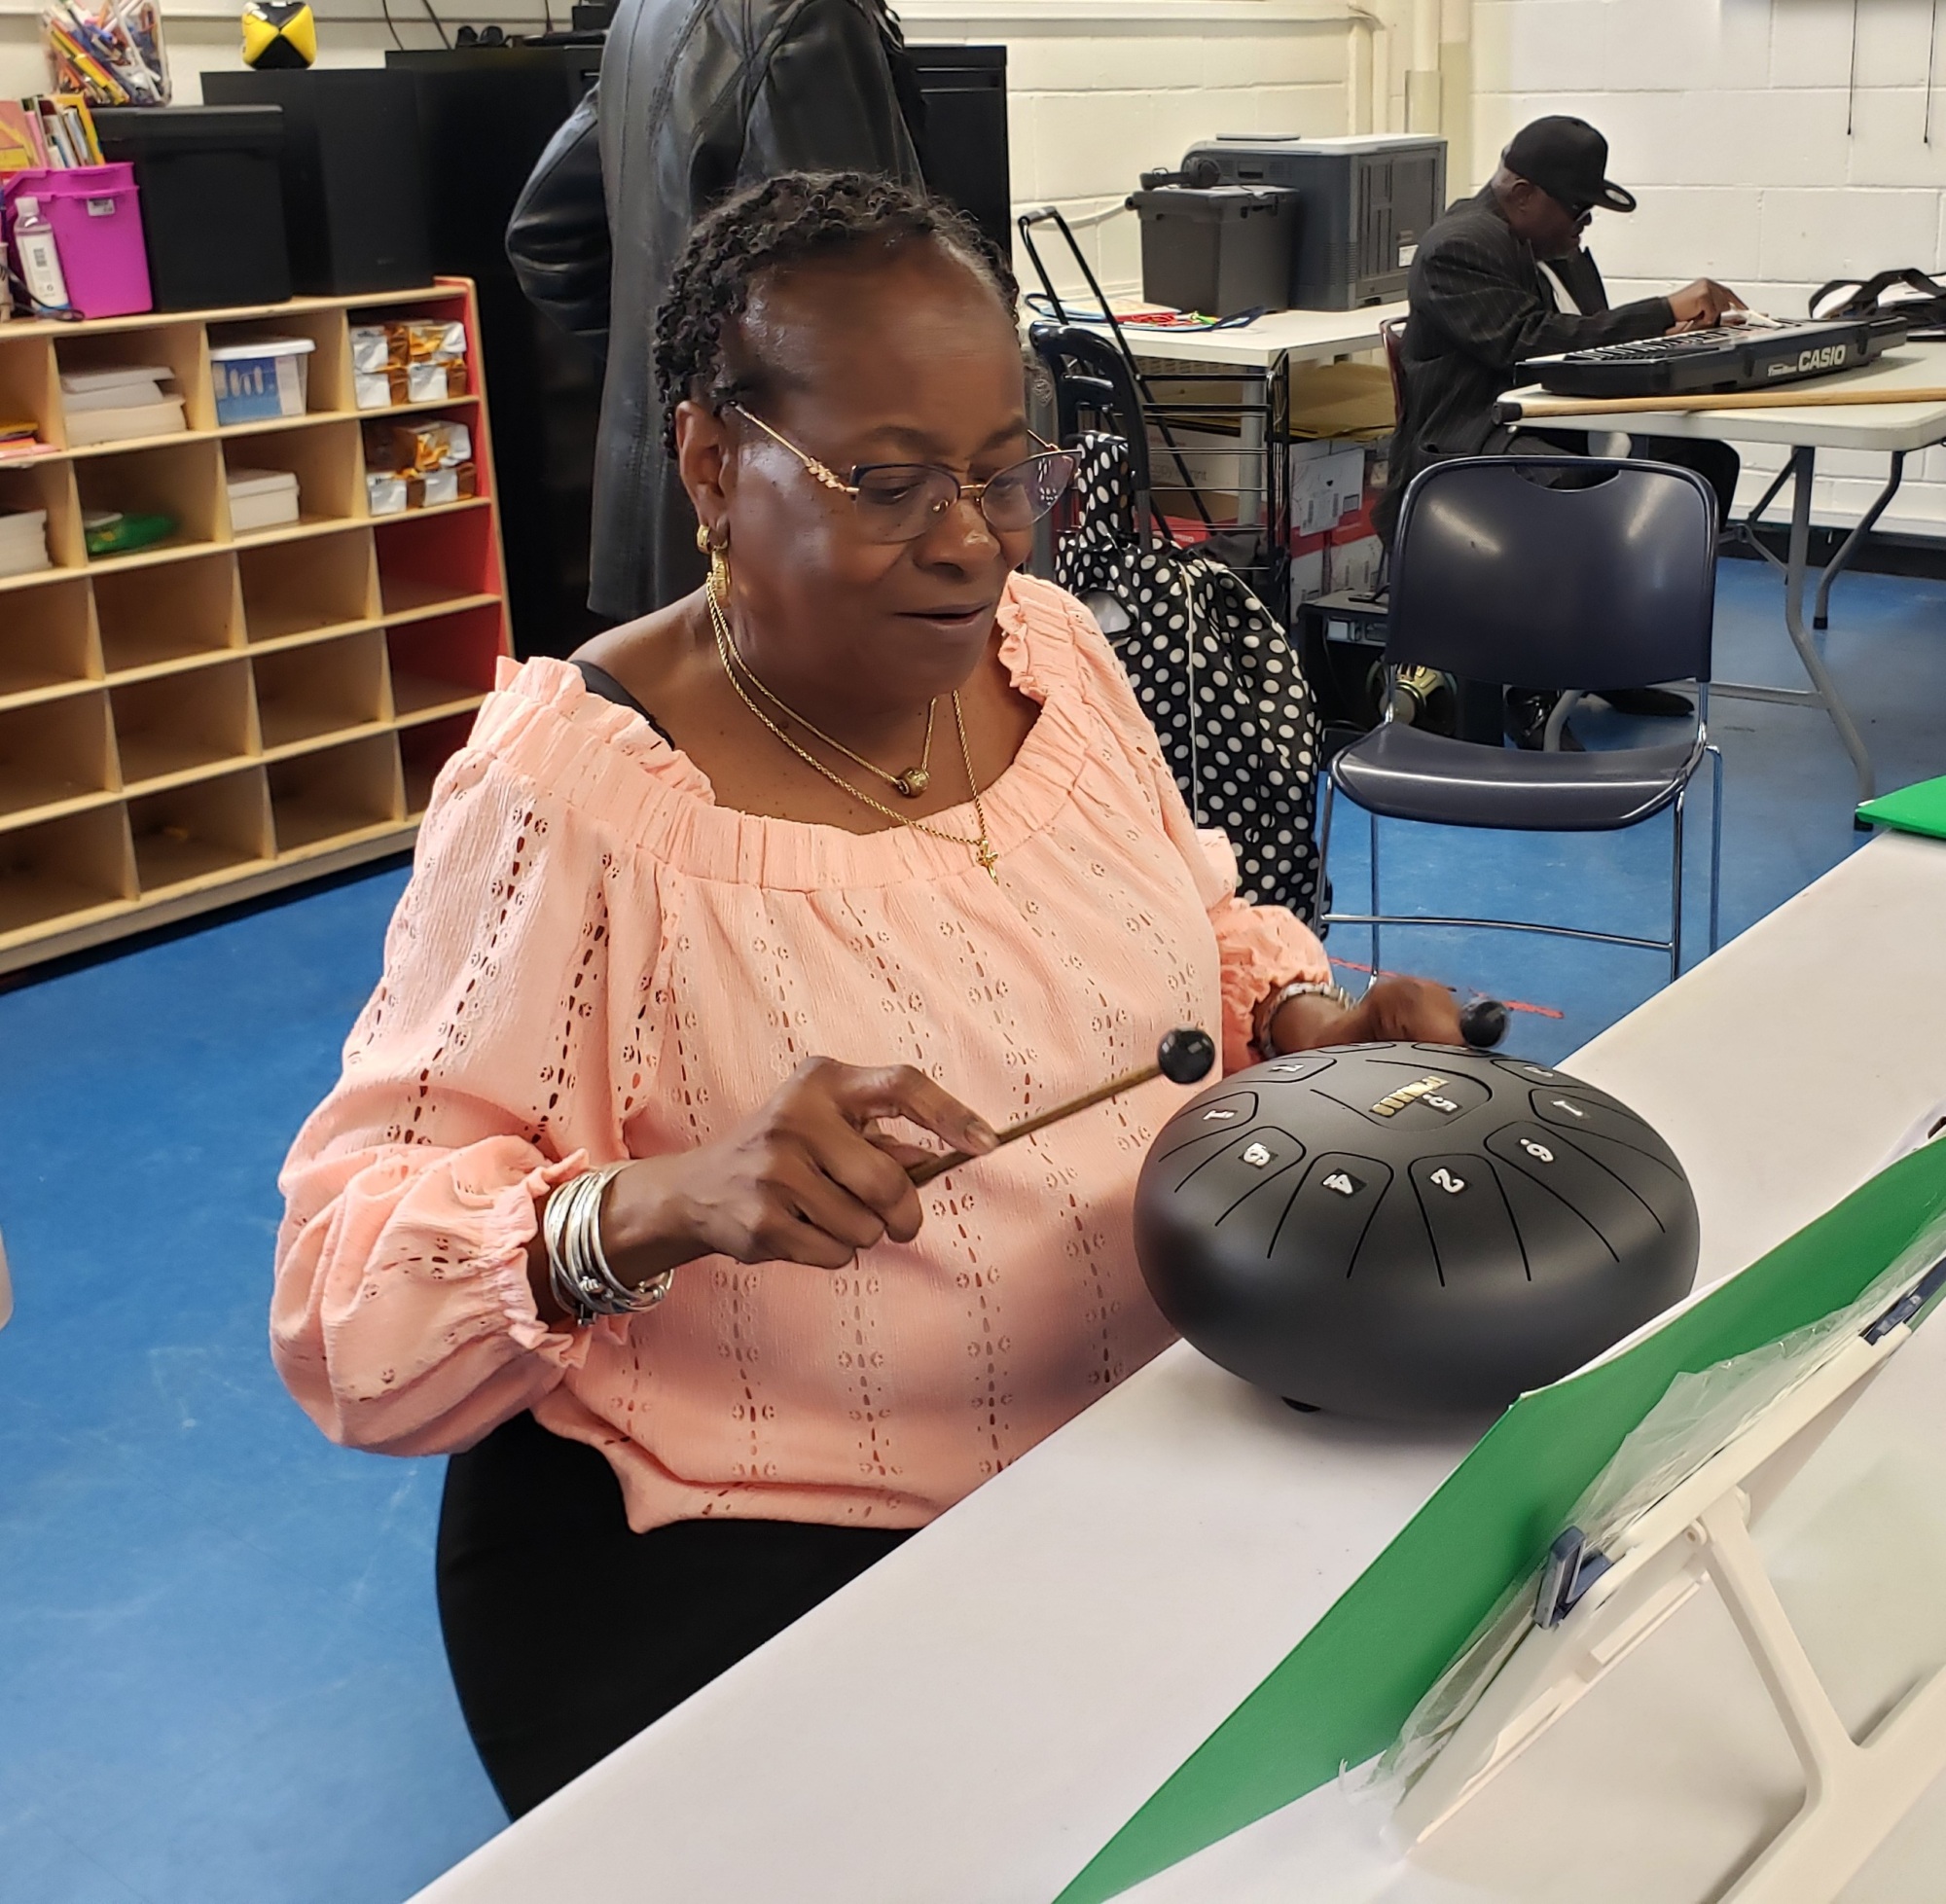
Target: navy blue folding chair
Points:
(1569, 572)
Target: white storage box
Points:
(263, 378)
(261, 498)
(24, 542)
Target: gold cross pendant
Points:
(988, 860)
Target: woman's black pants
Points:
(567, 1633)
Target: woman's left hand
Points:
(1412, 1009)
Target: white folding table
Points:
(1299, 335)
(1894, 428)
(972, 1719)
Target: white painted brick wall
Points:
(1729, 118)
(1096, 93)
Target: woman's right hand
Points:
(808, 1179)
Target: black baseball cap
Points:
(1566, 158)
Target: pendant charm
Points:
(988, 860)
(913, 782)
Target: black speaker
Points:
(964, 147)
(485, 115)
(354, 187)
(212, 213)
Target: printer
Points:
(1363, 204)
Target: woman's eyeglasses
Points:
(898, 502)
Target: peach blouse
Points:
(595, 961)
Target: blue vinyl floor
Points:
(221, 1679)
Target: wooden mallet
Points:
(1183, 1056)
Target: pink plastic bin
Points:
(97, 227)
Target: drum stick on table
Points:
(1184, 1056)
(1533, 410)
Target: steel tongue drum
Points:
(1410, 1230)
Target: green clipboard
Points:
(1917, 809)
(1342, 1694)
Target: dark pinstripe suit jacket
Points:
(1479, 306)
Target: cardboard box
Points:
(1327, 483)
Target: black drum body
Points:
(1410, 1231)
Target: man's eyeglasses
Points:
(898, 502)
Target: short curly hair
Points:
(791, 219)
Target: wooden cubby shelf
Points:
(222, 712)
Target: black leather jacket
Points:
(697, 98)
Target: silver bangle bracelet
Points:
(578, 1271)
(1297, 988)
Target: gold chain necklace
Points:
(982, 847)
(913, 782)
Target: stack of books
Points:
(23, 541)
(110, 405)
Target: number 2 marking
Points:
(1448, 1182)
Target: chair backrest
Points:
(1502, 572)
(1392, 335)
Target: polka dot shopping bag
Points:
(1214, 672)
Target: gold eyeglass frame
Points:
(974, 492)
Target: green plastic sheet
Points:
(1342, 1694)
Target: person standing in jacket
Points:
(1504, 277)
(697, 98)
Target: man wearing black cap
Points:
(1501, 277)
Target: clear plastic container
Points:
(260, 379)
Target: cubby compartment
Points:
(69, 871)
(317, 582)
(175, 348)
(178, 725)
(46, 640)
(430, 561)
(182, 480)
(167, 613)
(324, 458)
(46, 489)
(423, 750)
(322, 688)
(334, 793)
(325, 365)
(445, 665)
(54, 752)
(28, 390)
(191, 834)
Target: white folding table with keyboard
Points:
(1894, 429)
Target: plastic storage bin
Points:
(1219, 249)
(97, 222)
(212, 201)
(264, 377)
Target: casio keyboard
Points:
(1745, 357)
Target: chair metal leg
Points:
(1329, 792)
(1675, 892)
(1373, 818)
(1715, 843)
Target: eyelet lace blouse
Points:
(594, 961)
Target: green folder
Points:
(1918, 809)
(1342, 1694)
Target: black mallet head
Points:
(1185, 1054)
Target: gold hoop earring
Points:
(703, 538)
